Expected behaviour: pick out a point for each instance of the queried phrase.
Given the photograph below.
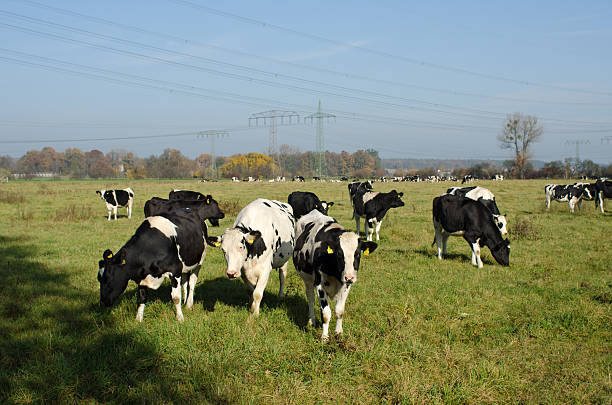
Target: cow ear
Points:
(401, 194)
(107, 255)
(368, 247)
(252, 237)
(329, 204)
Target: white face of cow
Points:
(349, 242)
(235, 245)
(500, 221)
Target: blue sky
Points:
(423, 80)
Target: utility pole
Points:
(212, 135)
(271, 119)
(320, 116)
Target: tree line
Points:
(75, 163)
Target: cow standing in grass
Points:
(117, 198)
(206, 208)
(170, 245)
(487, 198)
(302, 202)
(261, 239)
(327, 258)
(604, 190)
(460, 216)
(373, 206)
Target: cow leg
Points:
(369, 227)
(325, 311)
(193, 280)
(378, 224)
(579, 204)
(571, 203)
(342, 295)
(258, 291)
(129, 208)
(445, 237)
(438, 238)
(309, 284)
(357, 222)
(176, 296)
(142, 300)
(115, 212)
(109, 213)
(282, 275)
(476, 260)
(600, 197)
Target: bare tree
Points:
(519, 132)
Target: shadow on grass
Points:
(57, 346)
(454, 256)
(233, 293)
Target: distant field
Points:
(417, 330)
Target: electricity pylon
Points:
(212, 135)
(577, 142)
(320, 116)
(269, 119)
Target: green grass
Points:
(417, 330)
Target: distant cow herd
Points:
(171, 242)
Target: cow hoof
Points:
(324, 339)
(180, 318)
(139, 318)
(281, 296)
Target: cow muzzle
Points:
(232, 274)
(348, 280)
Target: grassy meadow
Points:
(417, 330)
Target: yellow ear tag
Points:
(123, 262)
(217, 244)
(109, 256)
(330, 250)
(366, 252)
(250, 241)
(208, 201)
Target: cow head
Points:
(211, 211)
(394, 199)
(101, 193)
(344, 253)
(112, 276)
(324, 206)
(501, 252)
(239, 245)
(501, 223)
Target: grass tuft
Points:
(523, 228)
(12, 197)
(74, 212)
(231, 207)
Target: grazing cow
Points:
(235, 179)
(303, 202)
(455, 215)
(343, 178)
(498, 177)
(487, 198)
(373, 206)
(186, 195)
(298, 178)
(604, 190)
(327, 257)
(563, 192)
(117, 198)
(356, 186)
(171, 245)
(262, 239)
(207, 208)
(316, 178)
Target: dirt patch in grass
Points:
(524, 228)
(12, 197)
(74, 212)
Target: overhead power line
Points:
(200, 44)
(171, 87)
(377, 52)
(477, 113)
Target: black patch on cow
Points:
(257, 248)
(205, 210)
(276, 232)
(109, 197)
(267, 205)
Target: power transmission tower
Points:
(577, 142)
(212, 135)
(320, 116)
(269, 119)
(606, 139)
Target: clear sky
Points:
(410, 79)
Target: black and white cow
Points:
(455, 215)
(468, 178)
(207, 208)
(487, 198)
(358, 186)
(604, 190)
(563, 192)
(186, 195)
(298, 178)
(589, 193)
(373, 206)
(302, 202)
(327, 257)
(117, 198)
(262, 239)
(170, 245)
